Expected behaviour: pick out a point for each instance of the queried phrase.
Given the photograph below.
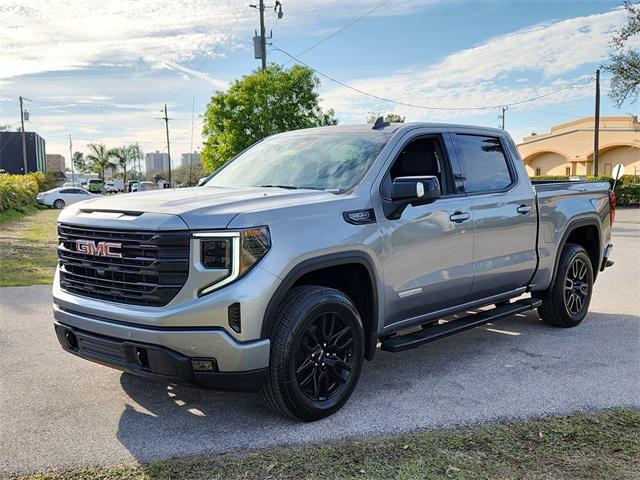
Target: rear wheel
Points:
(566, 303)
(317, 352)
(59, 203)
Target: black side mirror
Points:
(411, 191)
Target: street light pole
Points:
(596, 127)
(73, 175)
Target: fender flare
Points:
(318, 263)
(586, 220)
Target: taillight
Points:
(613, 203)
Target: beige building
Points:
(55, 162)
(567, 149)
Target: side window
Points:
(68, 190)
(420, 157)
(483, 163)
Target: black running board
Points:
(414, 339)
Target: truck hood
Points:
(201, 207)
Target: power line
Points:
(426, 107)
(341, 29)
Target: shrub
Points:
(18, 191)
(629, 194)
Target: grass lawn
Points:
(603, 445)
(28, 247)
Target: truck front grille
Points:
(149, 268)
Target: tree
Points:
(99, 159)
(4, 128)
(122, 156)
(264, 103)
(389, 117)
(625, 59)
(79, 162)
(184, 175)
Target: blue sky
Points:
(101, 71)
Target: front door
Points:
(427, 252)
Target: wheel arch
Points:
(351, 272)
(584, 231)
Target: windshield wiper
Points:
(288, 187)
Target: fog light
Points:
(202, 365)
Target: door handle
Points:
(459, 217)
(523, 209)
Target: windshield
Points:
(329, 161)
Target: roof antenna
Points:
(380, 123)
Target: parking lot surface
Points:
(58, 411)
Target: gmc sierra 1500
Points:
(293, 262)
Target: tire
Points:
(317, 352)
(566, 302)
(59, 204)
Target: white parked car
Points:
(61, 197)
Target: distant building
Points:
(156, 162)
(567, 149)
(11, 152)
(55, 162)
(188, 158)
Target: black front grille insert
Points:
(151, 269)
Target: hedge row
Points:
(627, 188)
(18, 191)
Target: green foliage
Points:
(625, 59)
(19, 191)
(99, 159)
(389, 117)
(188, 177)
(261, 104)
(628, 194)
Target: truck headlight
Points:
(254, 244)
(233, 252)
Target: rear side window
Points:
(483, 163)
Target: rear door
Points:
(428, 251)
(503, 210)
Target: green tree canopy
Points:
(261, 104)
(99, 159)
(389, 117)
(625, 59)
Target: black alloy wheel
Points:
(324, 357)
(576, 286)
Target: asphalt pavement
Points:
(58, 411)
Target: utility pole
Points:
(263, 40)
(504, 110)
(24, 136)
(73, 175)
(193, 113)
(596, 130)
(139, 160)
(260, 41)
(166, 124)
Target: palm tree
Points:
(99, 159)
(123, 155)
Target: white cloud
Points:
(516, 66)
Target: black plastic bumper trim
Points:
(160, 363)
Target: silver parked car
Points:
(291, 264)
(63, 196)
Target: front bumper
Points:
(238, 365)
(153, 361)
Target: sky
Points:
(102, 71)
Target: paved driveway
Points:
(58, 411)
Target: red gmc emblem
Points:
(100, 249)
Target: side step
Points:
(414, 339)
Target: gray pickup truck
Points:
(296, 261)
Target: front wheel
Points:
(317, 352)
(566, 302)
(59, 204)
